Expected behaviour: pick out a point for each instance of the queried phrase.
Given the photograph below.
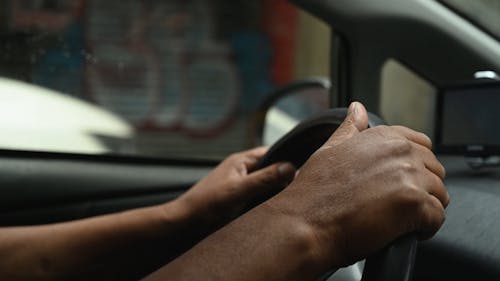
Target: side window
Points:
(406, 98)
(170, 78)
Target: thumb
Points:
(355, 122)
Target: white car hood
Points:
(36, 118)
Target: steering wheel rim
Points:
(393, 263)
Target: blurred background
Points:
(187, 76)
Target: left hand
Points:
(222, 194)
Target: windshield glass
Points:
(485, 13)
(152, 78)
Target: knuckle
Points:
(401, 128)
(271, 176)
(438, 183)
(442, 170)
(274, 173)
(447, 199)
(426, 138)
(400, 146)
(234, 157)
(383, 130)
(403, 177)
(441, 218)
(416, 134)
(444, 197)
(383, 127)
(407, 167)
(435, 164)
(433, 215)
(410, 196)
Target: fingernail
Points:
(352, 108)
(286, 169)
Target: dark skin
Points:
(362, 189)
(357, 193)
(111, 247)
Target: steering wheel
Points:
(395, 262)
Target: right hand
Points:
(364, 188)
(226, 190)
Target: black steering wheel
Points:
(395, 262)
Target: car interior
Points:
(430, 65)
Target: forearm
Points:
(261, 245)
(94, 248)
(107, 246)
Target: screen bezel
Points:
(475, 150)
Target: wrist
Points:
(302, 237)
(321, 240)
(176, 212)
(188, 217)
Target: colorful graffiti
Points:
(190, 68)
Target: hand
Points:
(222, 194)
(364, 188)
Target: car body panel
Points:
(57, 122)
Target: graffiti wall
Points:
(186, 74)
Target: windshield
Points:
(485, 13)
(153, 78)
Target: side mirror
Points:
(287, 106)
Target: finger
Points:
(414, 136)
(257, 152)
(251, 157)
(268, 180)
(432, 217)
(430, 161)
(435, 187)
(355, 122)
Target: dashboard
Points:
(468, 245)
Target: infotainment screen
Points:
(469, 120)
